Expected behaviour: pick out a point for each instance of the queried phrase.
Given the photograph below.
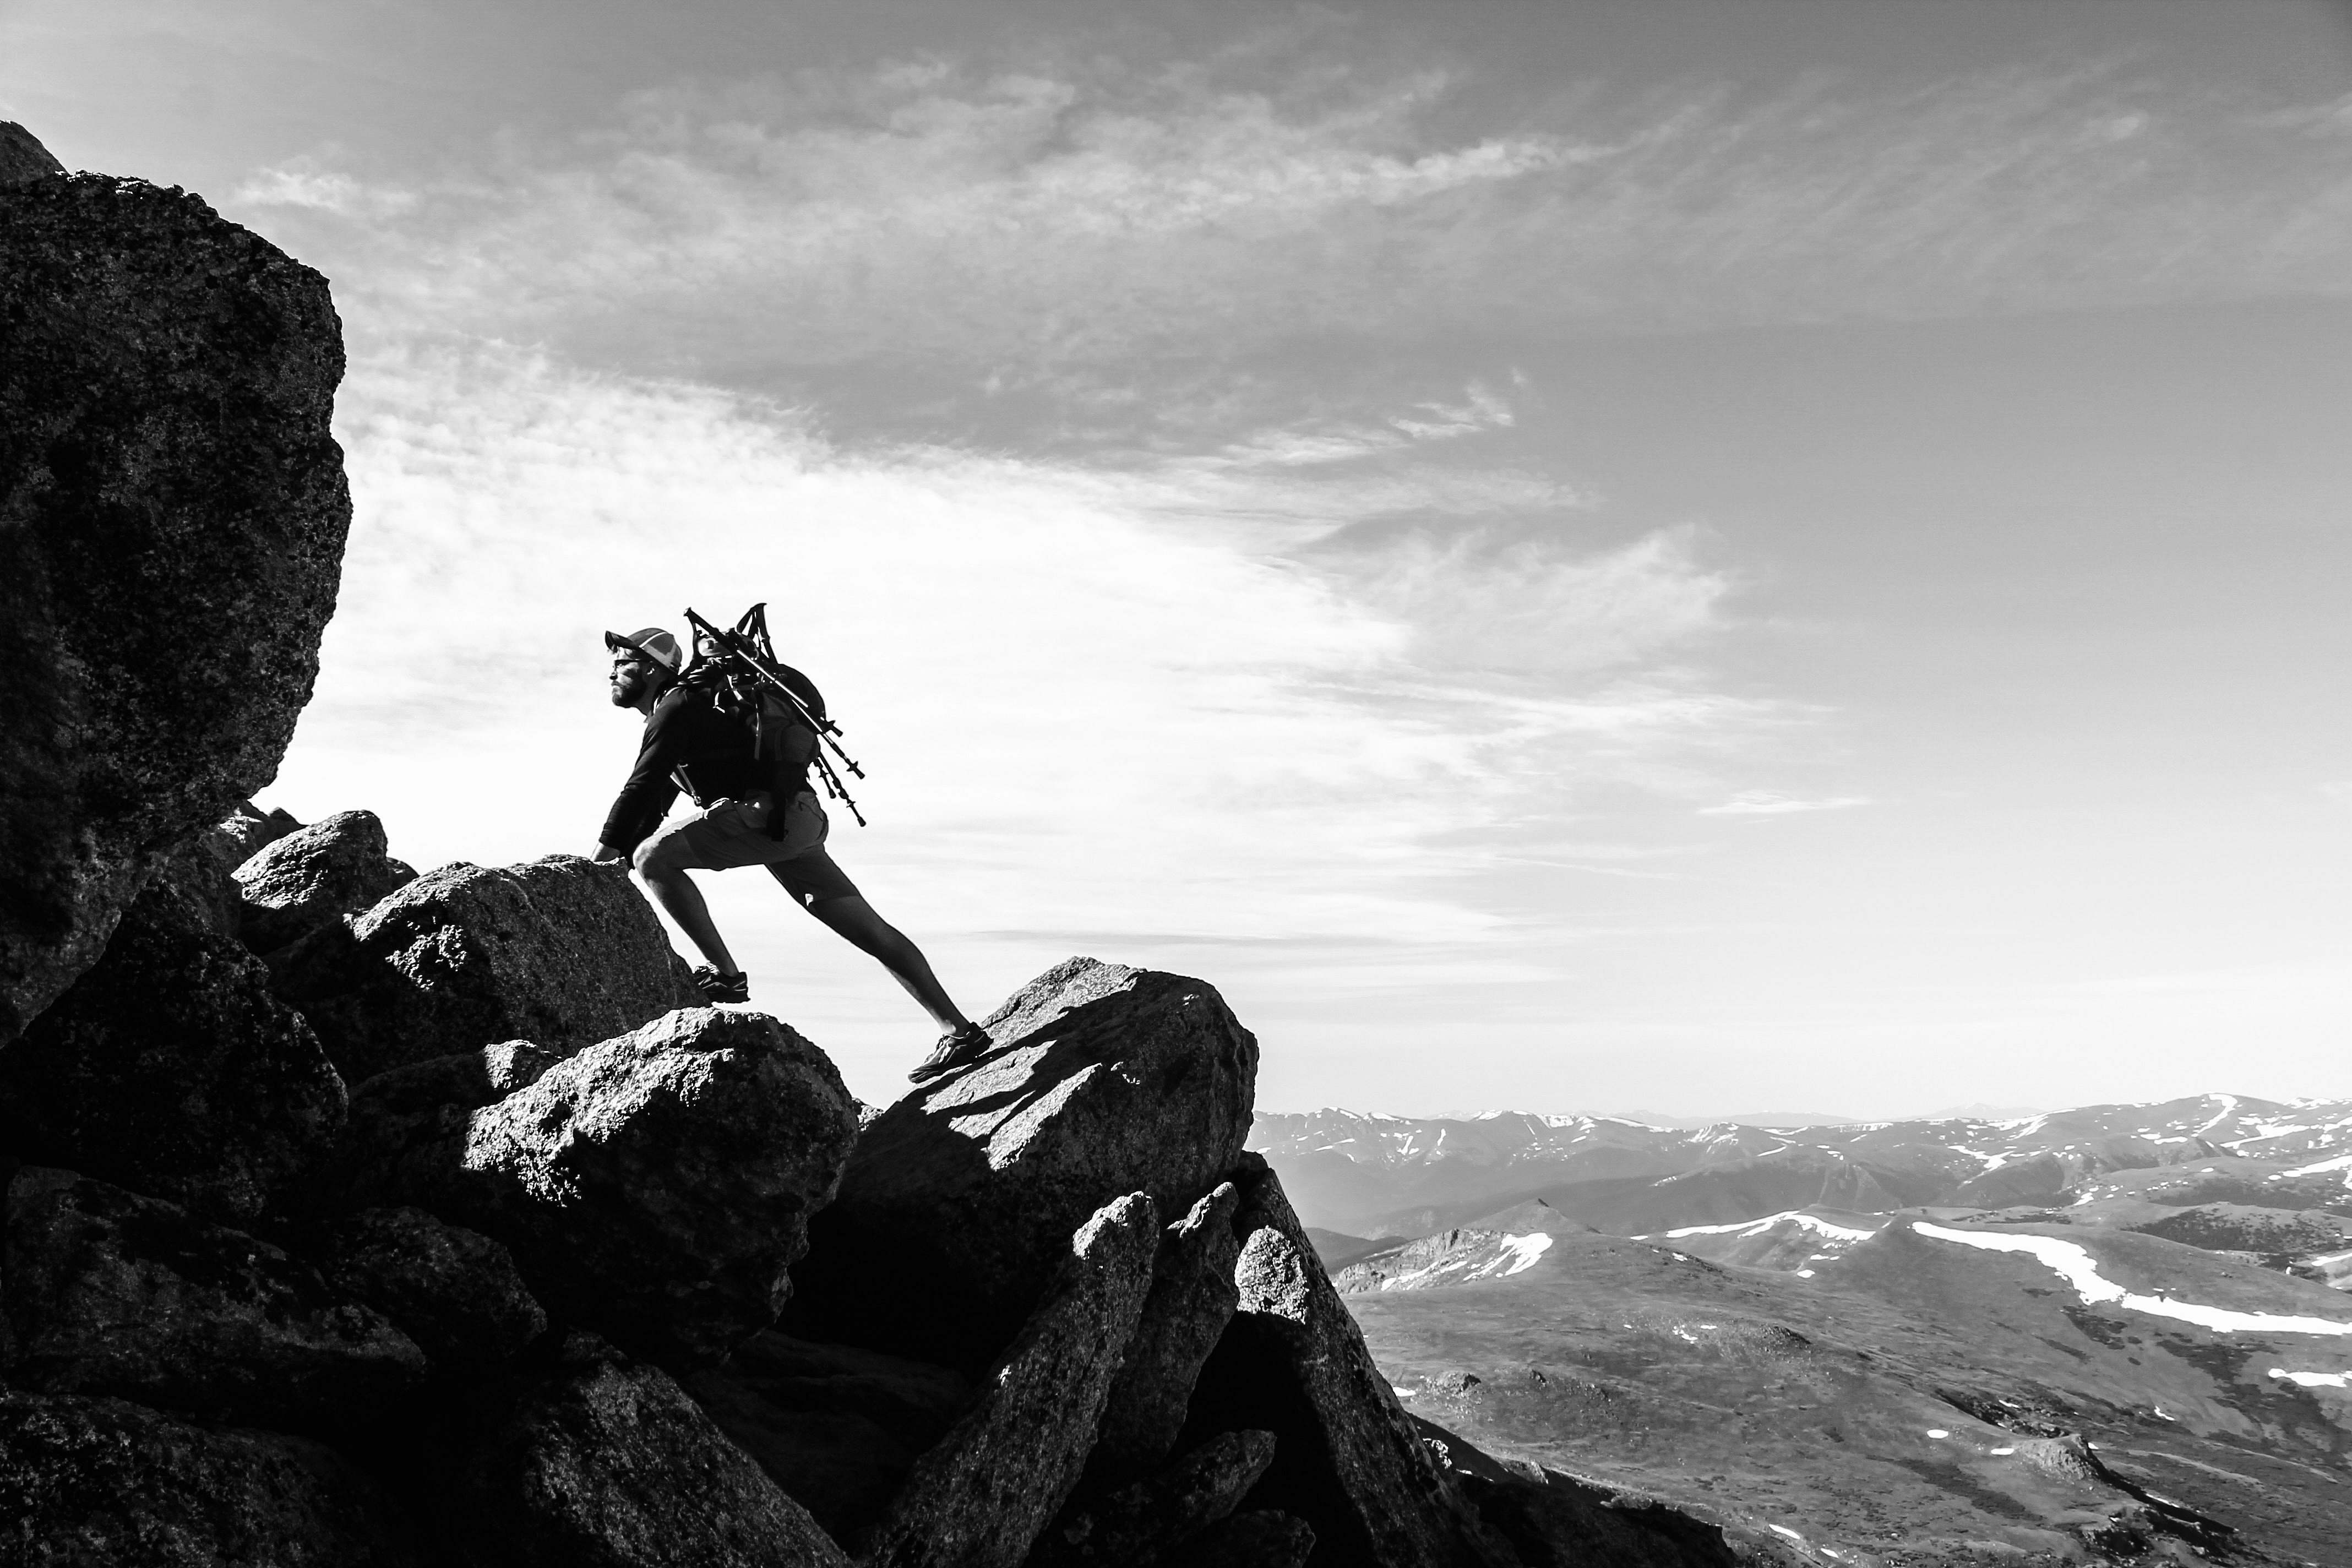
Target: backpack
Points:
(778, 708)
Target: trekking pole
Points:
(740, 648)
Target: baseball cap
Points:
(654, 643)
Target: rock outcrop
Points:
(605, 1463)
(108, 1292)
(1348, 1460)
(454, 1292)
(983, 1495)
(1191, 1301)
(338, 865)
(959, 1200)
(561, 952)
(1160, 1518)
(656, 1187)
(171, 1067)
(107, 1481)
(173, 514)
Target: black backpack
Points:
(781, 709)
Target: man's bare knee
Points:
(653, 859)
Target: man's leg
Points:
(855, 919)
(660, 864)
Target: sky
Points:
(1565, 556)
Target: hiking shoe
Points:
(717, 987)
(957, 1048)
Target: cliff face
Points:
(173, 514)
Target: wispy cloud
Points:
(1761, 803)
(1093, 216)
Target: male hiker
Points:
(753, 814)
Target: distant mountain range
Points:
(2097, 1335)
(1370, 1175)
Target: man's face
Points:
(632, 676)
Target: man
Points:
(752, 814)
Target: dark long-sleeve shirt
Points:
(689, 742)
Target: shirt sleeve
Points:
(647, 798)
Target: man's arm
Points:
(650, 792)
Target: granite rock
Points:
(108, 1292)
(406, 1127)
(1191, 1300)
(171, 1067)
(1348, 1460)
(338, 865)
(173, 515)
(1262, 1538)
(655, 1187)
(104, 1481)
(836, 1427)
(562, 952)
(959, 1199)
(983, 1494)
(1156, 1520)
(603, 1462)
(456, 1293)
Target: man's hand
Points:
(606, 852)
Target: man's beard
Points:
(627, 689)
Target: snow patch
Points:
(2315, 1379)
(2074, 1265)
(2341, 1163)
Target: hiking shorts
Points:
(728, 832)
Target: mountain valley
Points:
(2118, 1332)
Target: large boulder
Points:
(173, 515)
(959, 1200)
(1348, 1460)
(562, 952)
(454, 1292)
(605, 1463)
(108, 1292)
(171, 1067)
(982, 1496)
(103, 1481)
(338, 865)
(656, 1187)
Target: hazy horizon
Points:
(1654, 553)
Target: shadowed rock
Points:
(1191, 1300)
(456, 1293)
(247, 831)
(838, 1427)
(983, 1495)
(605, 1463)
(959, 1200)
(22, 156)
(338, 866)
(105, 1481)
(108, 1292)
(173, 515)
(562, 952)
(1157, 1520)
(655, 1186)
(171, 1067)
(1348, 1461)
(405, 1129)
(1262, 1538)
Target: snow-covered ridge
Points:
(2073, 1263)
(2221, 1123)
